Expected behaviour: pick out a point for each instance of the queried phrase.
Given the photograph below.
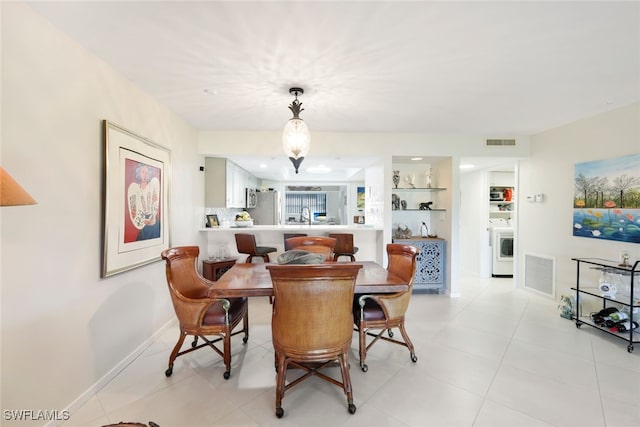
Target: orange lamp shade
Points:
(11, 193)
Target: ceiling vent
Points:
(501, 142)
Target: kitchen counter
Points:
(221, 240)
(299, 227)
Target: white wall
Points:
(546, 228)
(64, 328)
(474, 218)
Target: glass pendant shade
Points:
(11, 193)
(296, 138)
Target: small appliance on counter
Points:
(251, 198)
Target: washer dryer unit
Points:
(501, 248)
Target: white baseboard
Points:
(98, 385)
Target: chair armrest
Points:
(192, 310)
(393, 305)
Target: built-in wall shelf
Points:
(502, 194)
(419, 196)
(500, 208)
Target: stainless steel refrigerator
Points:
(268, 210)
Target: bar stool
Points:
(246, 244)
(344, 246)
(287, 246)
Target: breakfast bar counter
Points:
(221, 240)
(299, 228)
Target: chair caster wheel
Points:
(245, 339)
(169, 371)
(390, 332)
(194, 343)
(352, 408)
(279, 412)
(226, 375)
(414, 358)
(364, 367)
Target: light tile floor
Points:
(497, 356)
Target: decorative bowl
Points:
(248, 223)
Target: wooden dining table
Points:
(253, 280)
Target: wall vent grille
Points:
(501, 142)
(540, 274)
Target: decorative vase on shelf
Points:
(396, 178)
(395, 202)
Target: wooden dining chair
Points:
(312, 324)
(344, 246)
(317, 244)
(386, 311)
(287, 236)
(201, 310)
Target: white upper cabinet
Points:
(225, 183)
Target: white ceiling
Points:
(479, 68)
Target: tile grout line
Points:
(485, 398)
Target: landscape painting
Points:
(606, 200)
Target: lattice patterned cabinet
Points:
(430, 263)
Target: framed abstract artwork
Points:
(606, 199)
(135, 200)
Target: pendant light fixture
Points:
(296, 139)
